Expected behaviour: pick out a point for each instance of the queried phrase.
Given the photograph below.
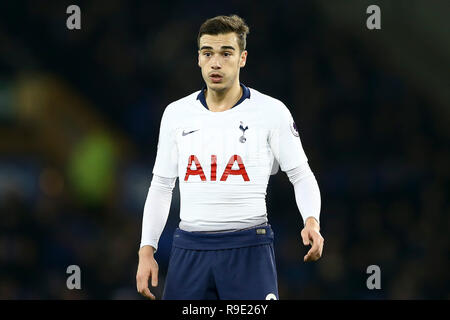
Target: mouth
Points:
(215, 77)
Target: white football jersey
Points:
(224, 159)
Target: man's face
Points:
(220, 60)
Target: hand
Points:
(148, 267)
(311, 236)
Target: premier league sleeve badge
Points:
(294, 129)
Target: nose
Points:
(215, 64)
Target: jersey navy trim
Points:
(245, 95)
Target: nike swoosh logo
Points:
(189, 132)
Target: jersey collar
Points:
(245, 95)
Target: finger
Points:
(305, 237)
(321, 248)
(315, 244)
(141, 282)
(308, 257)
(311, 253)
(311, 256)
(146, 293)
(154, 277)
(142, 279)
(316, 250)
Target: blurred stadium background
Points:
(79, 121)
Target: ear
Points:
(243, 59)
(198, 58)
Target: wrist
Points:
(311, 222)
(146, 251)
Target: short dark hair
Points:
(225, 24)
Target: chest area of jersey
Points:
(237, 146)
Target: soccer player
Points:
(223, 142)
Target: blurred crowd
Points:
(377, 144)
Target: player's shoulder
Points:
(267, 103)
(182, 103)
(177, 110)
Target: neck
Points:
(223, 100)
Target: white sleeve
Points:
(166, 163)
(284, 140)
(156, 210)
(307, 193)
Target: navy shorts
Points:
(227, 266)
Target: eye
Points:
(207, 54)
(227, 54)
